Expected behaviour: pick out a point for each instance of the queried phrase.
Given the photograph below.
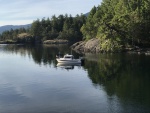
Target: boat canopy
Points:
(68, 56)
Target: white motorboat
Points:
(68, 59)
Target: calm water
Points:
(31, 82)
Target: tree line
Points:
(119, 24)
(61, 27)
(11, 35)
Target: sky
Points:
(21, 12)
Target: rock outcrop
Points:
(92, 45)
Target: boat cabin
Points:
(68, 56)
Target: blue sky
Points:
(20, 12)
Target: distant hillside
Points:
(9, 27)
(86, 14)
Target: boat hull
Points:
(74, 61)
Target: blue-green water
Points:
(31, 82)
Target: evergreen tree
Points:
(119, 23)
(87, 29)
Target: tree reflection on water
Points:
(123, 75)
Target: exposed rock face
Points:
(92, 45)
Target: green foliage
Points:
(87, 29)
(25, 38)
(110, 45)
(12, 34)
(61, 27)
(119, 23)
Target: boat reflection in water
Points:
(68, 66)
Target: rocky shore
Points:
(93, 46)
(87, 46)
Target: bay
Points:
(32, 82)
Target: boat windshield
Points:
(69, 57)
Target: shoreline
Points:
(93, 46)
(90, 46)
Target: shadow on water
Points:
(126, 76)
